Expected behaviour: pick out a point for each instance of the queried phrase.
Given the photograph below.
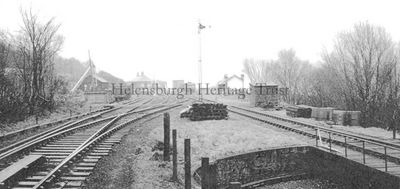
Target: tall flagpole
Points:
(200, 66)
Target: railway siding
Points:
(72, 151)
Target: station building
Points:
(143, 81)
(233, 82)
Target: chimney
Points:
(226, 76)
(137, 74)
(142, 73)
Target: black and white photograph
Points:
(199, 94)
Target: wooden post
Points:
(316, 137)
(394, 133)
(205, 172)
(330, 142)
(188, 184)
(385, 160)
(166, 137)
(36, 118)
(90, 108)
(235, 185)
(70, 113)
(363, 151)
(174, 157)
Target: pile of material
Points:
(322, 113)
(298, 111)
(205, 111)
(350, 118)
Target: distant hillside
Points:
(72, 69)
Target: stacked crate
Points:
(321, 114)
(351, 118)
(205, 111)
(338, 117)
(355, 117)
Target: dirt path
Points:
(129, 166)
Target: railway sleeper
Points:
(68, 184)
(27, 183)
(78, 173)
(86, 161)
(68, 178)
(81, 169)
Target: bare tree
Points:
(362, 61)
(37, 46)
(11, 102)
(391, 104)
(291, 72)
(259, 71)
(288, 71)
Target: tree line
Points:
(28, 83)
(359, 73)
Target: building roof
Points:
(141, 78)
(90, 71)
(264, 84)
(100, 78)
(162, 82)
(229, 78)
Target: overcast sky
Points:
(160, 37)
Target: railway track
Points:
(374, 152)
(108, 111)
(64, 157)
(8, 137)
(18, 137)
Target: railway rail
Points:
(69, 119)
(59, 128)
(65, 156)
(20, 136)
(374, 152)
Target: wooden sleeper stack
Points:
(205, 111)
(298, 111)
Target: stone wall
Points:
(98, 97)
(292, 163)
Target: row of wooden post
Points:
(206, 181)
(166, 153)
